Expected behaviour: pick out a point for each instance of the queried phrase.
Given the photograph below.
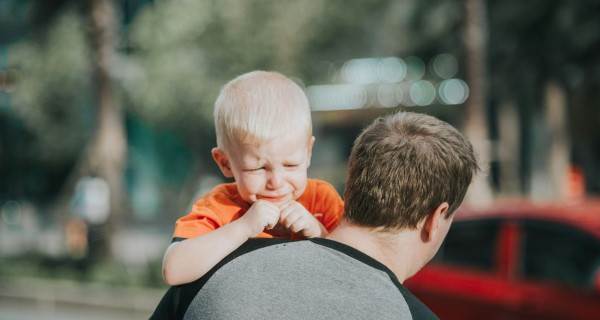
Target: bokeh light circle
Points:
(453, 91)
(360, 71)
(422, 92)
(445, 66)
(391, 70)
(386, 95)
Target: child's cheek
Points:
(300, 181)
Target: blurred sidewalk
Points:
(134, 247)
(39, 299)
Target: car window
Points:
(470, 244)
(559, 253)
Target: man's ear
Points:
(311, 143)
(431, 226)
(222, 160)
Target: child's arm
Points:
(190, 259)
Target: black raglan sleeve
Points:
(418, 309)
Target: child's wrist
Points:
(244, 228)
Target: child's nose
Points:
(275, 179)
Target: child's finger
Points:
(298, 225)
(285, 205)
(285, 212)
(272, 218)
(270, 225)
(291, 218)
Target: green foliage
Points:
(180, 52)
(543, 40)
(52, 91)
(50, 116)
(185, 50)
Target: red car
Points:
(517, 261)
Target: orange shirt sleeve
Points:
(197, 222)
(324, 202)
(212, 211)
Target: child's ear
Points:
(311, 143)
(222, 160)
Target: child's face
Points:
(275, 171)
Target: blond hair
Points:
(259, 106)
(402, 167)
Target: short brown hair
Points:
(402, 167)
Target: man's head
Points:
(404, 169)
(264, 136)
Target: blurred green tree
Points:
(533, 46)
(65, 77)
(52, 99)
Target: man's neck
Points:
(394, 250)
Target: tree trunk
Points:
(106, 155)
(508, 149)
(475, 128)
(552, 159)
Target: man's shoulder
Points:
(418, 310)
(342, 282)
(177, 299)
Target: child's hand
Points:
(262, 214)
(297, 219)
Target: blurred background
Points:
(106, 117)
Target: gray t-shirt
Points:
(311, 279)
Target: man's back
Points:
(270, 279)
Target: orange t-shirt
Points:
(223, 205)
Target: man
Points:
(407, 174)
